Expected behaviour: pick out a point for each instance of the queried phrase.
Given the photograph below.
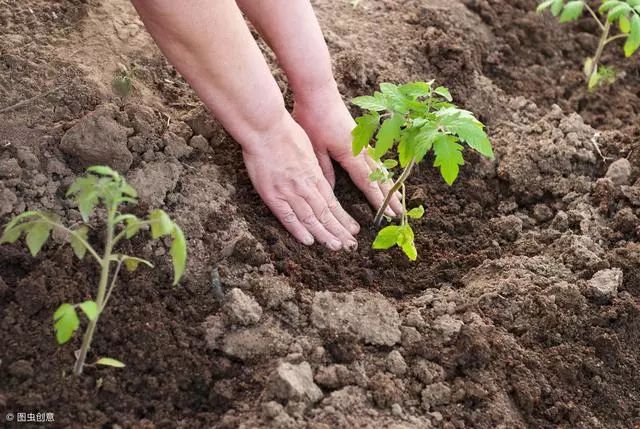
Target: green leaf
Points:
(161, 224)
(469, 130)
(397, 100)
(178, 252)
(129, 190)
(90, 308)
(377, 102)
(609, 4)
(387, 237)
(133, 226)
(624, 24)
(544, 5)
(416, 212)
(37, 235)
(87, 200)
(448, 157)
(633, 41)
(617, 11)
(11, 235)
(406, 147)
(103, 171)
(556, 7)
(572, 11)
(76, 244)
(20, 217)
(376, 175)
(389, 132)
(444, 93)
(390, 163)
(65, 322)
(406, 242)
(110, 362)
(416, 89)
(424, 140)
(364, 130)
(131, 263)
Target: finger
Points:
(338, 211)
(310, 221)
(359, 171)
(287, 217)
(327, 168)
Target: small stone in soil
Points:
(242, 308)
(604, 284)
(293, 382)
(619, 172)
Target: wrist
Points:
(263, 138)
(317, 91)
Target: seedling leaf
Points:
(76, 244)
(103, 171)
(633, 40)
(90, 309)
(556, 7)
(161, 224)
(444, 93)
(65, 322)
(110, 362)
(572, 11)
(387, 237)
(178, 252)
(416, 212)
(448, 157)
(389, 132)
(37, 235)
(377, 102)
(364, 130)
(131, 263)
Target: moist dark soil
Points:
(522, 310)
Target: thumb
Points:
(327, 167)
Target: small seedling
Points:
(415, 118)
(123, 81)
(626, 13)
(99, 185)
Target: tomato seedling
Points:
(99, 185)
(414, 118)
(626, 13)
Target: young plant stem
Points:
(601, 44)
(404, 204)
(378, 219)
(102, 289)
(593, 14)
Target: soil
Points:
(523, 309)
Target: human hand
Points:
(328, 123)
(285, 172)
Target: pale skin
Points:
(288, 158)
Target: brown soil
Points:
(513, 316)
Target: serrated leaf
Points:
(424, 140)
(87, 199)
(387, 237)
(161, 224)
(448, 157)
(389, 132)
(90, 309)
(103, 171)
(129, 190)
(390, 163)
(624, 24)
(76, 244)
(377, 102)
(544, 5)
(416, 212)
(65, 322)
(556, 7)
(37, 235)
(416, 89)
(363, 131)
(469, 130)
(406, 147)
(110, 362)
(572, 11)
(178, 252)
(444, 93)
(633, 40)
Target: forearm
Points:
(210, 45)
(292, 30)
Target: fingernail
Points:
(335, 245)
(352, 245)
(308, 240)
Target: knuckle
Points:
(326, 216)
(310, 220)
(333, 203)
